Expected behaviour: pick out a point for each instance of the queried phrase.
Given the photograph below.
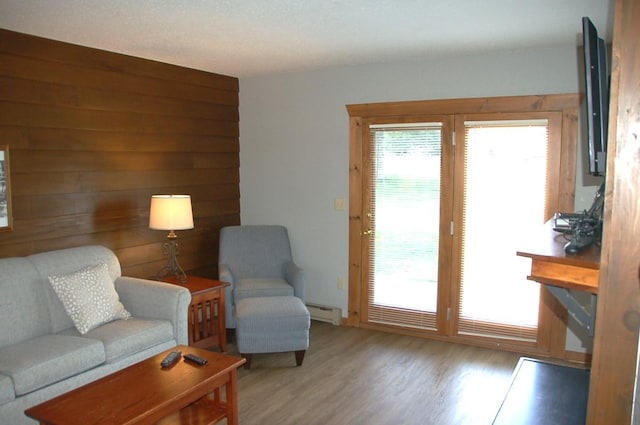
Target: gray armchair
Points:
(257, 262)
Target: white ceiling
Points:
(253, 37)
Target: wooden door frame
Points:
(446, 205)
(567, 104)
(613, 392)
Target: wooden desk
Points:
(551, 265)
(145, 394)
(206, 313)
(562, 272)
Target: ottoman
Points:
(272, 325)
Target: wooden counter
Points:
(562, 272)
(552, 266)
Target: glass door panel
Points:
(404, 217)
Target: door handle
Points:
(367, 232)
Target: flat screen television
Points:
(597, 97)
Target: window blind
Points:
(404, 199)
(505, 182)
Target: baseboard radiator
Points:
(323, 313)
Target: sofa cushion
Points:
(44, 360)
(65, 261)
(260, 287)
(89, 297)
(22, 301)
(6, 389)
(123, 338)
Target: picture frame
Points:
(6, 221)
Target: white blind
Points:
(505, 182)
(404, 194)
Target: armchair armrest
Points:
(156, 300)
(295, 276)
(225, 275)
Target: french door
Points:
(403, 206)
(501, 199)
(435, 253)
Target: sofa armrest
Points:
(295, 276)
(156, 300)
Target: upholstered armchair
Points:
(257, 262)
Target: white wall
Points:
(294, 141)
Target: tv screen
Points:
(597, 97)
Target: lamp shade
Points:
(170, 212)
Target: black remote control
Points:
(195, 359)
(171, 358)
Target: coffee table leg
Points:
(232, 398)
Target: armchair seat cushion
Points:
(261, 287)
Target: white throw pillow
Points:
(89, 297)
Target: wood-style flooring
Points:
(355, 376)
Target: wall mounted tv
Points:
(597, 97)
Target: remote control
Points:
(195, 359)
(170, 359)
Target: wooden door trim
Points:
(567, 104)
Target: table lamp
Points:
(171, 212)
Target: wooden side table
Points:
(206, 313)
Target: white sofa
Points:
(42, 352)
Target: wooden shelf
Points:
(202, 412)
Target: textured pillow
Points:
(89, 297)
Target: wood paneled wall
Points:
(93, 134)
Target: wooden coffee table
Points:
(144, 393)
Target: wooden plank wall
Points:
(93, 134)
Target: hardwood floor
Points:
(356, 376)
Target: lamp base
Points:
(172, 267)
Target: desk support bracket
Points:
(585, 317)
